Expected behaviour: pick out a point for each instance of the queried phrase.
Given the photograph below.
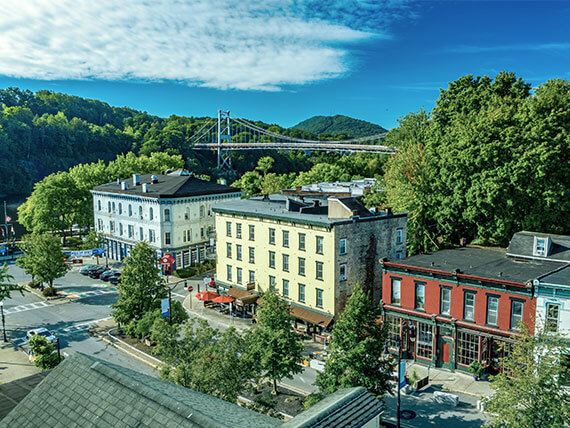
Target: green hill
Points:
(339, 125)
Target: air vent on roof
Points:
(145, 187)
(118, 180)
(124, 185)
(136, 179)
(154, 178)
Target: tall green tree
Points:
(532, 390)
(203, 358)
(356, 352)
(43, 257)
(139, 290)
(272, 343)
(6, 286)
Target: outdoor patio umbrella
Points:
(206, 296)
(224, 299)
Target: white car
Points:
(42, 332)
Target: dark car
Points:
(85, 269)
(106, 276)
(115, 279)
(96, 272)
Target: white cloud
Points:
(247, 44)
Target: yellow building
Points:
(311, 251)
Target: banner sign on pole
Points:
(85, 253)
(165, 307)
(402, 380)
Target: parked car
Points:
(42, 332)
(85, 269)
(96, 272)
(115, 279)
(106, 276)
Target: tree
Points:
(45, 354)
(272, 343)
(43, 258)
(530, 392)
(139, 289)
(5, 286)
(264, 164)
(203, 358)
(356, 351)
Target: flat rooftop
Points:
(489, 263)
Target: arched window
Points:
(99, 204)
(120, 208)
(202, 211)
(150, 214)
(113, 207)
(130, 210)
(109, 206)
(166, 214)
(140, 212)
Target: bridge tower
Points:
(224, 133)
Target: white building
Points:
(171, 212)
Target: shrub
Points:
(45, 354)
(265, 401)
(312, 399)
(49, 292)
(34, 284)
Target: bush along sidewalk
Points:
(195, 269)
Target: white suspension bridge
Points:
(227, 134)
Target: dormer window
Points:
(541, 246)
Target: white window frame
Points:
(342, 247)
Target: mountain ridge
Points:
(339, 125)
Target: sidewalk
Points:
(14, 363)
(196, 308)
(452, 382)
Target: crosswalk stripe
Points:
(26, 307)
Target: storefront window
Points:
(467, 348)
(424, 343)
(393, 331)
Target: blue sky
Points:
(279, 61)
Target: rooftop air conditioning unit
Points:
(124, 185)
(145, 187)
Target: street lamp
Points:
(386, 351)
(3, 322)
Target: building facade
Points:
(454, 307)
(172, 212)
(311, 251)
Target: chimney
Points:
(388, 210)
(136, 179)
(124, 185)
(145, 187)
(298, 189)
(118, 180)
(266, 197)
(154, 179)
(315, 203)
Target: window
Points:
(109, 206)
(469, 307)
(100, 224)
(319, 299)
(120, 208)
(238, 252)
(445, 307)
(121, 229)
(467, 348)
(238, 230)
(424, 342)
(99, 205)
(319, 268)
(301, 266)
(420, 296)
(140, 212)
(202, 211)
(302, 293)
(111, 226)
(131, 230)
(286, 262)
(151, 235)
(286, 238)
(342, 250)
(141, 233)
(166, 238)
(187, 214)
(202, 233)
(552, 314)
(271, 282)
(516, 314)
(393, 331)
(285, 288)
(113, 207)
(342, 273)
(239, 273)
(395, 291)
(251, 232)
(130, 210)
(166, 214)
(399, 236)
(187, 235)
(272, 259)
(302, 241)
(272, 236)
(319, 245)
(228, 228)
(251, 255)
(540, 246)
(150, 214)
(251, 277)
(228, 250)
(492, 310)
(228, 272)
(398, 254)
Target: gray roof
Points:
(350, 407)
(88, 392)
(167, 186)
(522, 245)
(560, 276)
(489, 263)
(275, 207)
(12, 393)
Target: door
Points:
(444, 349)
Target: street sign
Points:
(167, 259)
(165, 307)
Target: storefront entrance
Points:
(444, 348)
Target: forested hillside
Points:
(340, 126)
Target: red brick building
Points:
(453, 307)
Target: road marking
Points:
(82, 295)
(82, 325)
(26, 307)
(178, 295)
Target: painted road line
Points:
(83, 295)
(26, 307)
(82, 325)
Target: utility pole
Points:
(3, 322)
(399, 376)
